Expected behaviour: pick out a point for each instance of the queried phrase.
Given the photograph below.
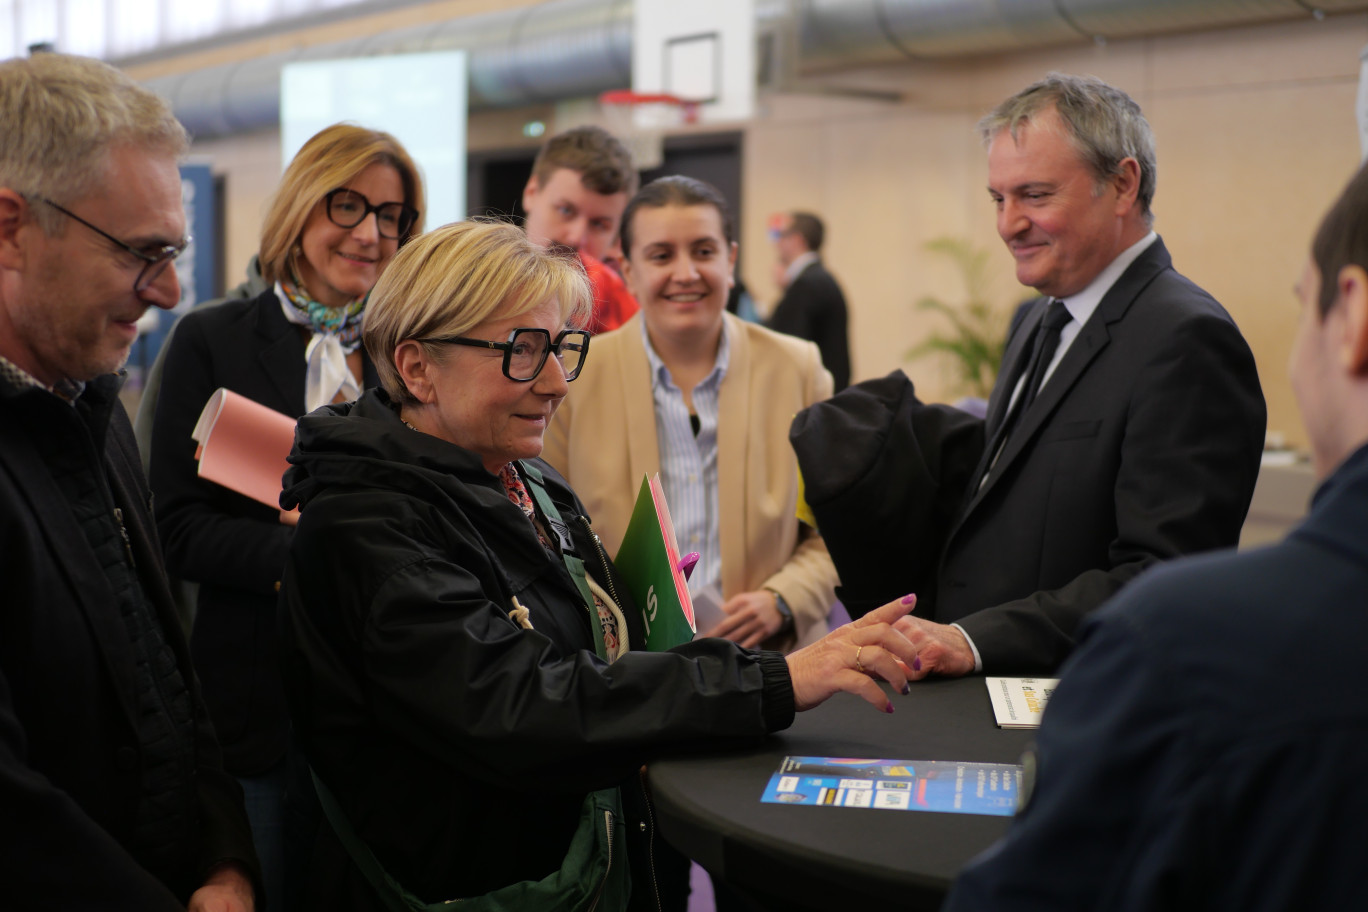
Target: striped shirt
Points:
(688, 462)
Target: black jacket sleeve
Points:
(398, 612)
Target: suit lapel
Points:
(734, 416)
(1091, 340)
(634, 385)
(280, 355)
(1014, 360)
(1013, 363)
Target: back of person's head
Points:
(1342, 239)
(62, 114)
(456, 277)
(603, 163)
(1104, 123)
(808, 227)
(675, 190)
(331, 158)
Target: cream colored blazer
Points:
(603, 440)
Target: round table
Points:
(708, 804)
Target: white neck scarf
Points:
(327, 373)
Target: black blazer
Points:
(70, 767)
(231, 545)
(814, 308)
(1143, 445)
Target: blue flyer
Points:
(947, 786)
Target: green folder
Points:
(649, 564)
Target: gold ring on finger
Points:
(858, 666)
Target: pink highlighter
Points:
(686, 564)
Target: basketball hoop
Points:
(641, 119)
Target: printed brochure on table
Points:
(946, 786)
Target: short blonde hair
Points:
(331, 158)
(456, 277)
(62, 115)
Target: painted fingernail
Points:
(889, 707)
(907, 688)
(909, 598)
(916, 663)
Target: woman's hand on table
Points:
(852, 657)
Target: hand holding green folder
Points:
(650, 566)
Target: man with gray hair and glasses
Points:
(112, 792)
(1127, 424)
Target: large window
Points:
(112, 29)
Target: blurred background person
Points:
(460, 674)
(345, 204)
(813, 305)
(581, 181)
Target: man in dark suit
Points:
(1205, 747)
(1134, 437)
(111, 786)
(813, 306)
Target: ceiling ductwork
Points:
(543, 53)
(566, 49)
(844, 33)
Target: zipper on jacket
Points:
(123, 533)
(641, 774)
(650, 836)
(603, 561)
(608, 870)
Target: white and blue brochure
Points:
(946, 786)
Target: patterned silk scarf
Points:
(336, 334)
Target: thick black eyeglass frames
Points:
(154, 261)
(347, 209)
(526, 351)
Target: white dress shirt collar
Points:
(1081, 306)
(800, 262)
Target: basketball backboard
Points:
(701, 51)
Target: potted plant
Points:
(977, 332)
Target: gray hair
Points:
(1104, 123)
(62, 114)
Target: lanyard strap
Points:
(532, 478)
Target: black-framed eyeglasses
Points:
(526, 351)
(155, 261)
(347, 209)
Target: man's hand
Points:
(752, 618)
(226, 889)
(941, 649)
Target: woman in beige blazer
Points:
(777, 580)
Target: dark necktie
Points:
(1043, 347)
